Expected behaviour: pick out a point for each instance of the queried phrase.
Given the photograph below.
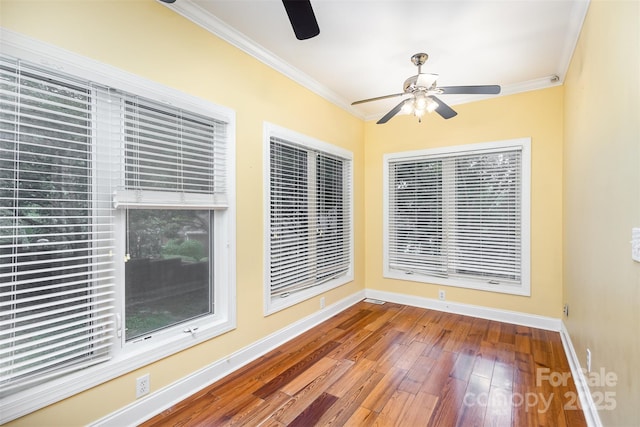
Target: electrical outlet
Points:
(441, 295)
(322, 302)
(565, 310)
(142, 385)
(588, 360)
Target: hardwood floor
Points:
(389, 364)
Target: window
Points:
(459, 216)
(168, 269)
(309, 244)
(116, 229)
(173, 159)
(56, 280)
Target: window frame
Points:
(522, 144)
(272, 304)
(174, 338)
(126, 359)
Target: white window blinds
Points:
(416, 223)
(457, 215)
(173, 158)
(56, 272)
(309, 217)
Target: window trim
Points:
(271, 130)
(524, 144)
(123, 362)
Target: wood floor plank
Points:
(524, 385)
(257, 410)
(502, 375)
(380, 347)
(383, 391)
(436, 382)
(523, 339)
(362, 417)
(351, 378)
(420, 372)
(499, 408)
(449, 406)
(365, 345)
(359, 317)
(419, 411)
(393, 409)
(493, 332)
(437, 343)
(387, 315)
(314, 411)
(389, 364)
(459, 331)
(309, 375)
(413, 352)
(483, 365)
(303, 398)
(407, 318)
(350, 340)
(338, 415)
(291, 373)
(474, 402)
(392, 355)
(464, 365)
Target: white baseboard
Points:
(584, 394)
(145, 408)
(514, 317)
(531, 320)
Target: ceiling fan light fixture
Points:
(419, 105)
(421, 101)
(407, 107)
(431, 105)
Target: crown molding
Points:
(214, 25)
(576, 20)
(217, 27)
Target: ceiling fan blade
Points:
(471, 90)
(443, 109)
(168, 1)
(395, 110)
(302, 18)
(377, 98)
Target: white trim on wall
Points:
(145, 408)
(217, 27)
(499, 315)
(214, 25)
(577, 373)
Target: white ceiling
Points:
(364, 47)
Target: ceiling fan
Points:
(301, 16)
(423, 90)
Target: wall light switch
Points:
(635, 244)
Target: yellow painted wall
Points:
(536, 114)
(602, 201)
(599, 168)
(146, 38)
